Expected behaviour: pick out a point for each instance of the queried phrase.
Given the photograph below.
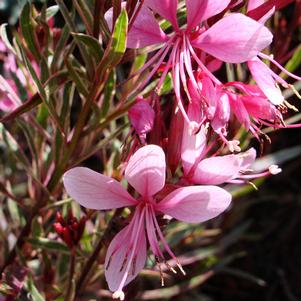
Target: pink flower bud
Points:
(142, 117)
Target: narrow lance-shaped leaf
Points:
(44, 93)
(109, 93)
(117, 44)
(28, 32)
(92, 45)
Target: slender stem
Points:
(96, 17)
(69, 295)
(108, 234)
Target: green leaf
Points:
(43, 92)
(76, 77)
(119, 36)
(14, 147)
(48, 244)
(32, 289)
(167, 85)
(116, 48)
(109, 93)
(28, 32)
(92, 45)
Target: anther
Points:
(170, 267)
(181, 268)
(161, 274)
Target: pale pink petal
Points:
(165, 8)
(146, 170)
(248, 158)
(119, 249)
(94, 190)
(201, 10)
(222, 114)
(264, 79)
(231, 43)
(144, 31)
(193, 145)
(195, 204)
(217, 170)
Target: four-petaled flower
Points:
(145, 172)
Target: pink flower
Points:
(217, 170)
(145, 171)
(224, 40)
(252, 108)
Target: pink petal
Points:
(94, 190)
(222, 114)
(234, 39)
(201, 10)
(240, 111)
(193, 145)
(145, 31)
(248, 158)
(165, 8)
(260, 107)
(119, 248)
(264, 79)
(195, 204)
(146, 170)
(217, 170)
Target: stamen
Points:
(290, 106)
(119, 293)
(295, 91)
(170, 267)
(200, 63)
(164, 242)
(160, 271)
(269, 58)
(180, 267)
(253, 185)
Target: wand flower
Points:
(145, 171)
(184, 47)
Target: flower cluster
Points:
(193, 135)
